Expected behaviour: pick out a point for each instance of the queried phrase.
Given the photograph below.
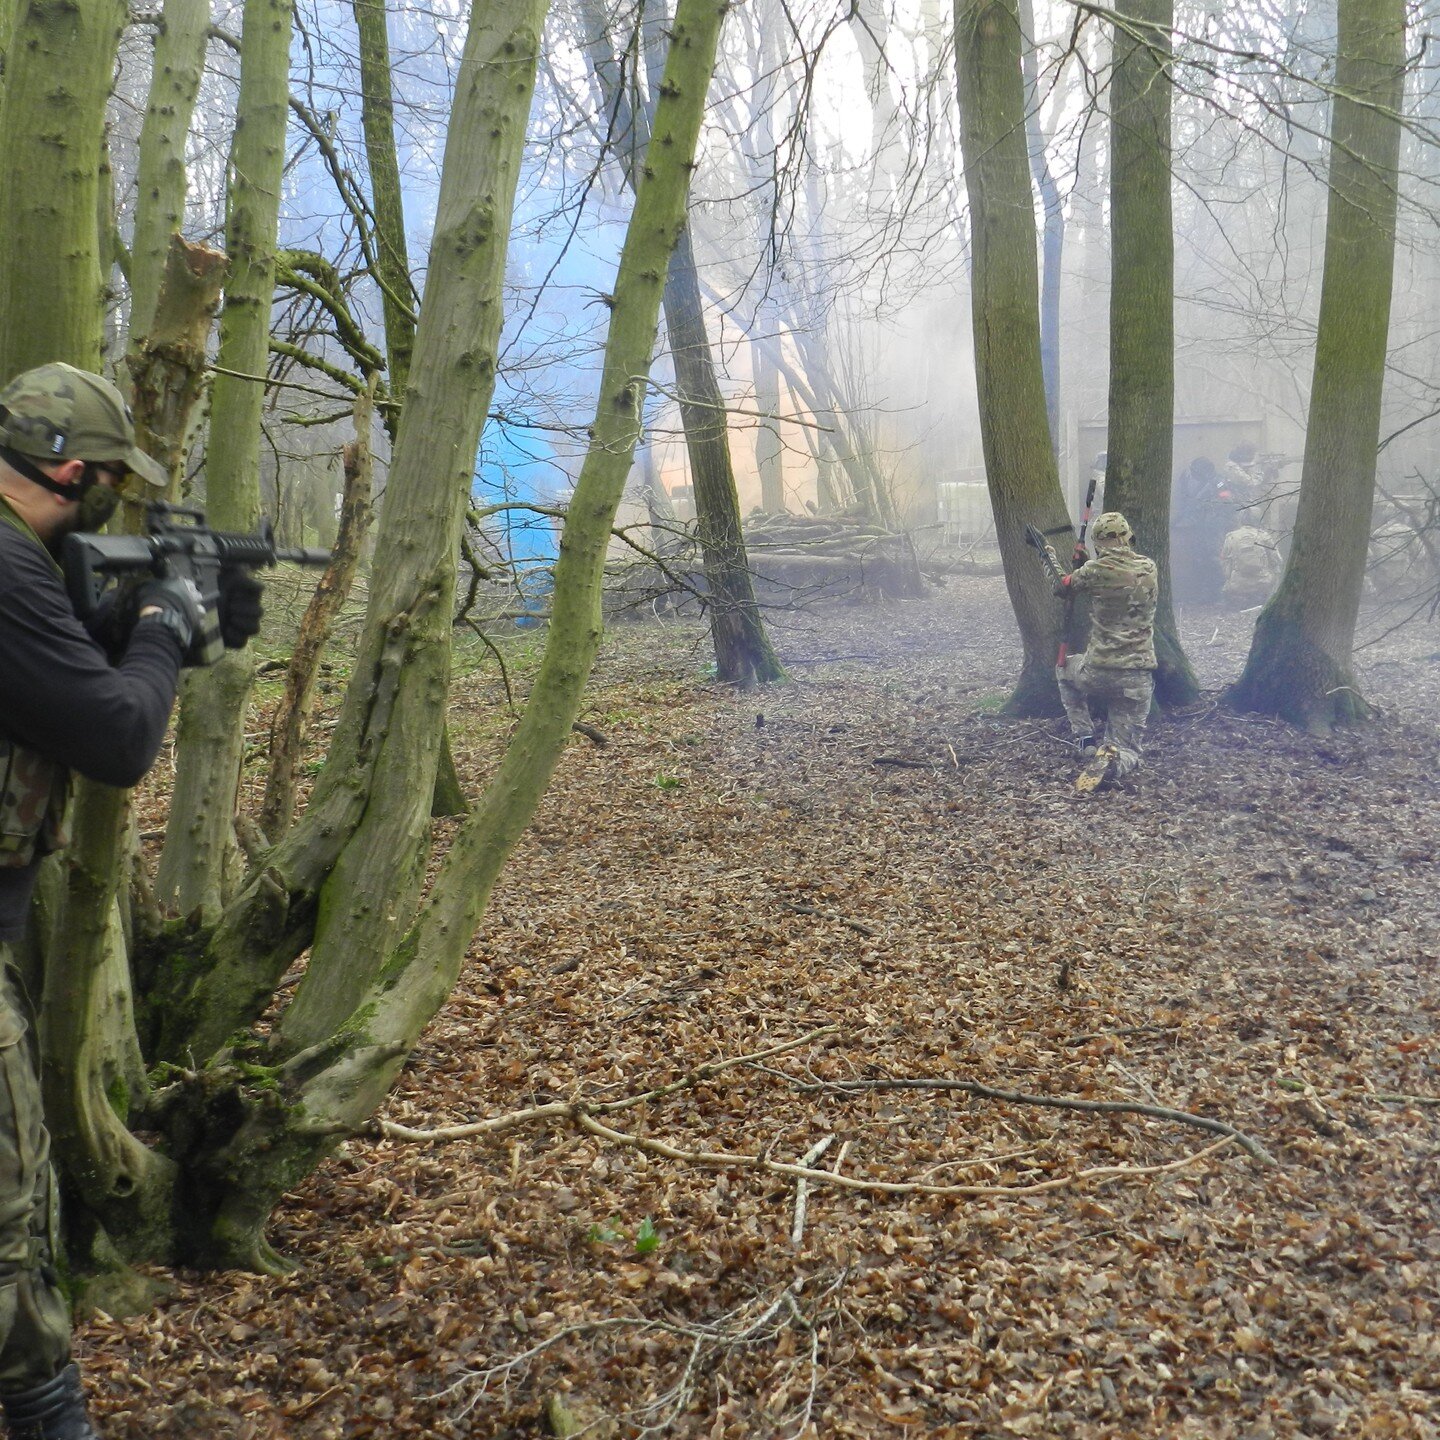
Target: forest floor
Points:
(871, 875)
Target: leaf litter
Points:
(1247, 930)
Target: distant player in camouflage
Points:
(1116, 672)
(1250, 558)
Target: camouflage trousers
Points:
(34, 1313)
(1122, 695)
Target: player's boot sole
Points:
(1098, 770)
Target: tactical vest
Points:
(34, 791)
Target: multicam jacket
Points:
(1122, 587)
(64, 707)
(34, 791)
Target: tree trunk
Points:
(1053, 236)
(377, 115)
(1142, 313)
(92, 1067)
(292, 714)
(1019, 463)
(160, 180)
(198, 866)
(743, 653)
(337, 1087)
(372, 797)
(392, 274)
(52, 121)
(769, 452)
(1299, 665)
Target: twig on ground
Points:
(819, 914)
(755, 1322)
(725, 1160)
(1053, 1102)
(565, 1110)
(1120, 1030)
(802, 1189)
(903, 762)
(1390, 1097)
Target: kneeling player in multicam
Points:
(1116, 671)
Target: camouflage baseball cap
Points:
(1112, 525)
(56, 412)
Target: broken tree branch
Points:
(1052, 1102)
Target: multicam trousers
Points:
(34, 1314)
(1123, 695)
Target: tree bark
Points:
(743, 653)
(160, 179)
(357, 855)
(1052, 249)
(392, 267)
(769, 452)
(1019, 463)
(199, 864)
(377, 116)
(335, 1089)
(292, 714)
(1299, 665)
(91, 1063)
(1142, 321)
(52, 122)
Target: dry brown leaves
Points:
(1248, 930)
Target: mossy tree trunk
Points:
(52, 123)
(1004, 284)
(392, 274)
(1299, 665)
(119, 1190)
(346, 876)
(199, 864)
(160, 178)
(335, 1085)
(1142, 312)
(392, 258)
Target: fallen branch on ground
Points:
(728, 1160)
(1052, 1102)
(564, 1109)
(585, 1118)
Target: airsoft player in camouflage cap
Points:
(55, 415)
(1117, 670)
(93, 698)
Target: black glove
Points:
(1079, 556)
(240, 609)
(180, 609)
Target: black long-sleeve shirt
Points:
(61, 697)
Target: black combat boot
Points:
(54, 1410)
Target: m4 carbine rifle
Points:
(177, 544)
